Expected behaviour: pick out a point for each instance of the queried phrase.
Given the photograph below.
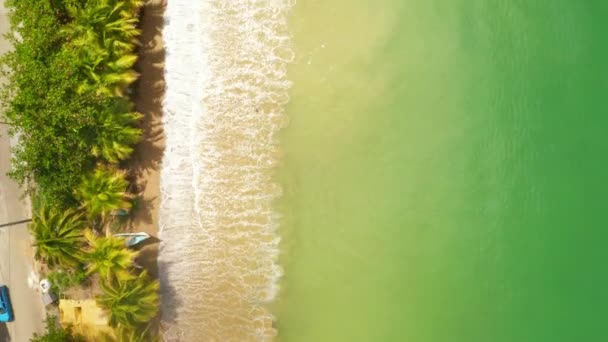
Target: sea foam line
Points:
(226, 87)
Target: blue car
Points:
(6, 312)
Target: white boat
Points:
(132, 239)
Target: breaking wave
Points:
(226, 88)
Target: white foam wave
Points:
(226, 87)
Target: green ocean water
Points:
(444, 172)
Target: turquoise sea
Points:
(443, 172)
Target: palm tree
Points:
(58, 237)
(105, 22)
(136, 334)
(130, 302)
(115, 135)
(103, 192)
(109, 257)
(105, 34)
(107, 82)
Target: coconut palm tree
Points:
(102, 192)
(136, 334)
(105, 34)
(107, 69)
(109, 257)
(58, 237)
(102, 21)
(130, 302)
(106, 82)
(115, 135)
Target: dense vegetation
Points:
(55, 333)
(71, 66)
(68, 81)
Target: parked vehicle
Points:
(6, 311)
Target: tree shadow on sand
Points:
(150, 89)
(143, 209)
(170, 301)
(148, 253)
(4, 335)
(145, 163)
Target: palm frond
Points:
(109, 257)
(130, 303)
(103, 192)
(58, 237)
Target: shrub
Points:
(55, 333)
(66, 103)
(63, 280)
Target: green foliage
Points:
(64, 94)
(103, 192)
(115, 133)
(35, 23)
(58, 236)
(55, 333)
(136, 334)
(130, 302)
(63, 280)
(108, 30)
(109, 257)
(71, 62)
(40, 104)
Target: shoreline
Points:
(226, 89)
(145, 164)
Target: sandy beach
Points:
(145, 162)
